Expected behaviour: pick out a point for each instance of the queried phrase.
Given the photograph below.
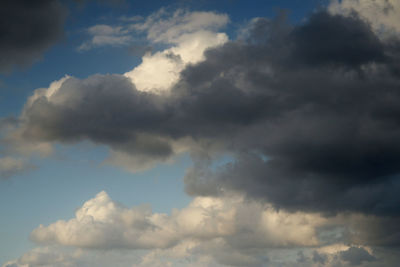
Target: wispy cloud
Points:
(10, 166)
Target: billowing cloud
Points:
(189, 33)
(315, 123)
(103, 223)
(27, 29)
(224, 231)
(186, 34)
(311, 125)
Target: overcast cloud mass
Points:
(307, 112)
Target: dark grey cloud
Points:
(336, 39)
(326, 123)
(103, 108)
(27, 30)
(319, 258)
(356, 256)
(375, 231)
(312, 124)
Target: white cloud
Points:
(106, 35)
(191, 253)
(43, 256)
(103, 223)
(56, 256)
(225, 231)
(164, 27)
(189, 33)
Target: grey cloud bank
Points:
(327, 124)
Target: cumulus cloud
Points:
(311, 125)
(103, 223)
(131, 149)
(224, 231)
(189, 33)
(186, 34)
(27, 30)
(302, 116)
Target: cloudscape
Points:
(209, 133)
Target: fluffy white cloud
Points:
(189, 33)
(186, 34)
(103, 223)
(226, 231)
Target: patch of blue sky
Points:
(62, 183)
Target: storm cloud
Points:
(27, 29)
(312, 123)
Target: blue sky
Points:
(221, 178)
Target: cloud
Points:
(357, 44)
(381, 14)
(10, 166)
(27, 30)
(55, 256)
(169, 63)
(164, 27)
(311, 128)
(300, 116)
(103, 223)
(105, 35)
(134, 150)
(355, 256)
(319, 258)
(314, 122)
(223, 231)
(43, 256)
(310, 125)
(189, 33)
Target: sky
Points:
(199, 133)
